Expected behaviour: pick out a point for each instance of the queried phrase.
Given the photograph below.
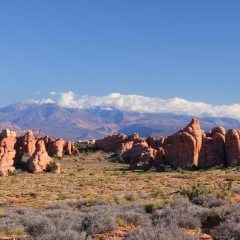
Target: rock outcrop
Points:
(28, 142)
(70, 149)
(232, 146)
(213, 148)
(55, 148)
(39, 160)
(190, 146)
(7, 152)
(111, 143)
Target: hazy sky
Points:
(158, 49)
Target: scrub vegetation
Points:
(96, 198)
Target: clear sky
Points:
(164, 49)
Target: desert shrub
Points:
(33, 195)
(228, 229)
(37, 225)
(160, 233)
(217, 214)
(158, 193)
(236, 190)
(10, 231)
(151, 207)
(164, 168)
(75, 203)
(131, 197)
(98, 222)
(179, 170)
(209, 201)
(132, 218)
(197, 190)
(119, 159)
(233, 163)
(181, 213)
(226, 194)
(52, 167)
(2, 213)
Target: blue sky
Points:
(159, 49)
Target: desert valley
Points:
(186, 185)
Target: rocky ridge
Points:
(190, 146)
(39, 150)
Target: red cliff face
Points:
(213, 148)
(232, 145)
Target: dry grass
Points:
(92, 176)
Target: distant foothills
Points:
(97, 122)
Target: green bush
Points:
(233, 163)
(164, 168)
(197, 190)
(158, 193)
(151, 207)
(52, 167)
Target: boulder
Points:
(39, 160)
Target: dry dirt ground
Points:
(92, 176)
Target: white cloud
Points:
(37, 92)
(53, 93)
(148, 104)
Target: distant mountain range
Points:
(97, 122)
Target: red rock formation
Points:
(136, 150)
(183, 150)
(39, 160)
(125, 146)
(213, 148)
(152, 142)
(165, 141)
(185, 145)
(111, 143)
(28, 142)
(133, 136)
(232, 146)
(48, 142)
(147, 157)
(56, 147)
(159, 157)
(70, 149)
(7, 151)
(133, 164)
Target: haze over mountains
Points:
(48, 118)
